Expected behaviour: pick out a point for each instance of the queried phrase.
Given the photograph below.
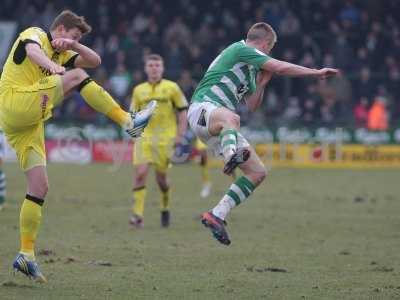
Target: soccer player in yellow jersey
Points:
(164, 131)
(36, 78)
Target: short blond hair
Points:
(71, 20)
(153, 56)
(261, 31)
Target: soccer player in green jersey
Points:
(240, 73)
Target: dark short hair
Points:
(153, 56)
(261, 31)
(71, 20)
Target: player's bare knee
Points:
(203, 159)
(72, 79)
(236, 120)
(257, 176)
(80, 75)
(45, 190)
(261, 175)
(40, 190)
(163, 186)
(233, 121)
(162, 181)
(140, 179)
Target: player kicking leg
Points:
(224, 137)
(240, 73)
(42, 58)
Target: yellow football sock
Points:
(29, 220)
(205, 174)
(165, 197)
(101, 101)
(138, 201)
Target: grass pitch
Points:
(304, 234)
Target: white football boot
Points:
(206, 190)
(140, 119)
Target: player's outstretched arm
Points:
(284, 68)
(87, 57)
(254, 100)
(36, 55)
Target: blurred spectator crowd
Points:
(362, 38)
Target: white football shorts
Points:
(199, 120)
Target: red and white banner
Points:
(112, 151)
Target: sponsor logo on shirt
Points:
(44, 71)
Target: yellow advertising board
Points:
(329, 155)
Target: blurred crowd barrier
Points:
(280, 147)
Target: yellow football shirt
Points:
(19, 70)
(169, 98)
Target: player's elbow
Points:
(278, 69)
(95, 61)
(92, 62)
(276, 66)
(252, 107)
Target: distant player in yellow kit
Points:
(164, 131)
(35, 79)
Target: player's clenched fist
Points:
(327, 72)
(56, 69)
(63, 44)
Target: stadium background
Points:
(362, 38)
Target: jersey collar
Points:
(155, 83)
(50, 38)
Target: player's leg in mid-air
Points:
(219, 127)
(101, 101)
(226, 124)
(254, 173)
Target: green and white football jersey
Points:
(230, 76)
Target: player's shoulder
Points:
(33, 33)
(168, 83)
(236, 45)
(34, 30)
(142, 85)
(233, 49)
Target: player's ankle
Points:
(28, 255)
